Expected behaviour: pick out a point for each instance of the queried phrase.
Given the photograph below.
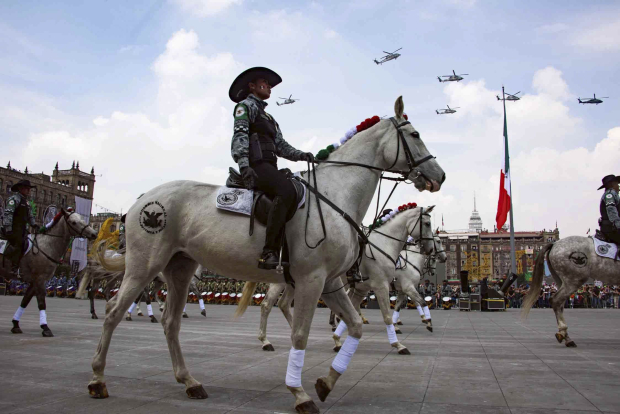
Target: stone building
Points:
(475, 221)
(58, 190)
(98, 219)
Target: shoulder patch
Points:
(241, 111)
(609, 195)
(11, 202)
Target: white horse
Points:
(183, 228)
(572, 261)
(40, 263)
(390, 238)
(414, 265)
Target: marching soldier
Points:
(610, 209)
(17, 216)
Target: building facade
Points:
(97, 220)
(59, 189)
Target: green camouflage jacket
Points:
(12, 204)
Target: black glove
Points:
(307, 156)
(249, 177)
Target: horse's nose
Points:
(443, 178)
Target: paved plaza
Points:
(472, 363)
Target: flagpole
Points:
(513, 258)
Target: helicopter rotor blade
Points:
(290, 96)
(464, 74)
(603, 97)
(516, 93)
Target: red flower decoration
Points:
(406, 117)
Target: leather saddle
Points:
(261, 204)
(601, 236)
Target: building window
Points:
(463, 248)
(0, 184)
(51, 197)
(9, 184)
(474, 247)
(452, 248)
(57, 198)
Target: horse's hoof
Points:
(404, 351)
(337, 348)
(47, 333)
(430, 328)
(399, 323)
(98, 390)
(16, 330)
(128, 318)
(333, 329)
(140, 313)
(424, 321)
(161, 309)
(203, 313)
(366, 322)
(321, 389)
(268, 348)
(185, 315)
(559, 337)
(398, 331)
(309, 407)
(153, 319)
(94, 316)
(571, 344)
(196, 392)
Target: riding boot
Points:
(354, 275)
(270, 257)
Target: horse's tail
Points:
(537, 279)
(81, 292)
(115, 263)
(246, 298)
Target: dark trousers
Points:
(275, 184)
(16, 247)
(614, 236)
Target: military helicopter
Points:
(446, 111)
(452, 78)
(389, 56)
(594, 100)
(288, 100)
(510, 97)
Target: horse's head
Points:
(404, 142)
(440, 253)
(77, 226)
(420, 228)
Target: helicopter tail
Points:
(437, 111)
(278, 103)
(579, 100)
(439, 79)
(376, 61)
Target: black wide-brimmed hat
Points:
(239, 89)
(609, 179)
(22, 183)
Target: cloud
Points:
(330, 34)
(602, 37)
(553, 28)
(204, 8)
(549, 81)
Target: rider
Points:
(256, 144)
(17, 215)
(610, 208)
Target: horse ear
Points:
(428, 210)
(399, 107)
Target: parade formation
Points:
(327, 236)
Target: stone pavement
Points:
(471, 363)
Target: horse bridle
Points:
(71, 228)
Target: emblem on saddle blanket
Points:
(605, 249)
(239, 200)
(4, 244)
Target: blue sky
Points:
(138, 89)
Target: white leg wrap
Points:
(340, 329)
(427, 312)
(420, 310)
(18, 313)
(341, 362)
(395, 316)
(295, 366)
(131, 308)
(149, 309)
(42, 318)
(391, 333)
(201, 302)
(184, 307)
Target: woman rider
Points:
(256, 145)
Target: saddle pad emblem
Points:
(227, 199)
(603, 249)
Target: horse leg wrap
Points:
(295, 366)
(201, 302)
(184, 308)
(149, 309)
(18, 314)
(340, 329)
(427, 312)
(131, 308)
(391, 333)
(420, 310)
(395, 316)
(42, 317)
(341, 362)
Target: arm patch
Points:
(241, 112)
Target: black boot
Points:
(269, 260)
(354, 275)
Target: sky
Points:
(138, 90)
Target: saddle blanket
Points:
(4, 243)
(239, 200)
(605, 249)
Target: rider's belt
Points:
(262, 148)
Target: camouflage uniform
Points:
(610, 215)
(17, 215)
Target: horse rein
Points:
(35, 243)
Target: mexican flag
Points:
(503, 205)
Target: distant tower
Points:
(475, 222)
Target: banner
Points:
(79, 248)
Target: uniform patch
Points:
(240, 111)
(153, 217)
(609, 196)
(11, 202)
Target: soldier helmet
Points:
(608, 179)
(239, 89)
(22, 183)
